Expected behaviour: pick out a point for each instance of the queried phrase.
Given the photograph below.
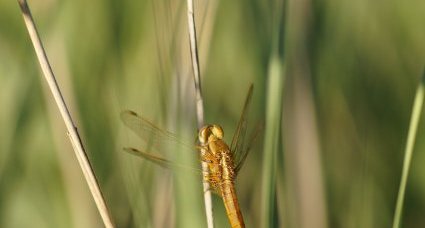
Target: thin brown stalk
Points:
(199, 104)
(72, 129)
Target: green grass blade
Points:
(271, 137)
(414, 121)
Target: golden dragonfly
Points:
(224, 162)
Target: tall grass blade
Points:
(271, 140)
(411, 136)
(273, 120)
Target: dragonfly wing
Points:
(161, 161)
(239, 136)
(241, 127)
(149, 132)
(244, 154)
(150, 157)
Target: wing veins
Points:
(147, 131)
(158, 160)
(241, 124)
(253, 138)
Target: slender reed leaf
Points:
(411, 136)
(271, 143)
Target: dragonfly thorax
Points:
(210, 133)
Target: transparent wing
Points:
(239, 136)
(151, 134)
(157, 140)
(149, 156)
(159, 160)
(244, 153)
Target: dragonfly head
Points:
(210, 133)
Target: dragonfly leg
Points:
(202, 147)
(208, 157)
(213, 180)
(213, 190)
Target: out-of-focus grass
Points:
(408, 153)
(272, 141)
(364, 60)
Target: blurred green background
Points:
(351, 70)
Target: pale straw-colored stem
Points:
(72, 130)
(199, 104)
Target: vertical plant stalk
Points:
(72, 130)
(199, 104)
(411, 136)
(274, 106)
(271, 141)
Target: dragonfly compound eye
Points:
(204, 133)
(217, 131)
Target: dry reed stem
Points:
(72, 130)
(199, 104)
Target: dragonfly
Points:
(224, 161)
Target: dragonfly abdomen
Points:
(231, 204)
